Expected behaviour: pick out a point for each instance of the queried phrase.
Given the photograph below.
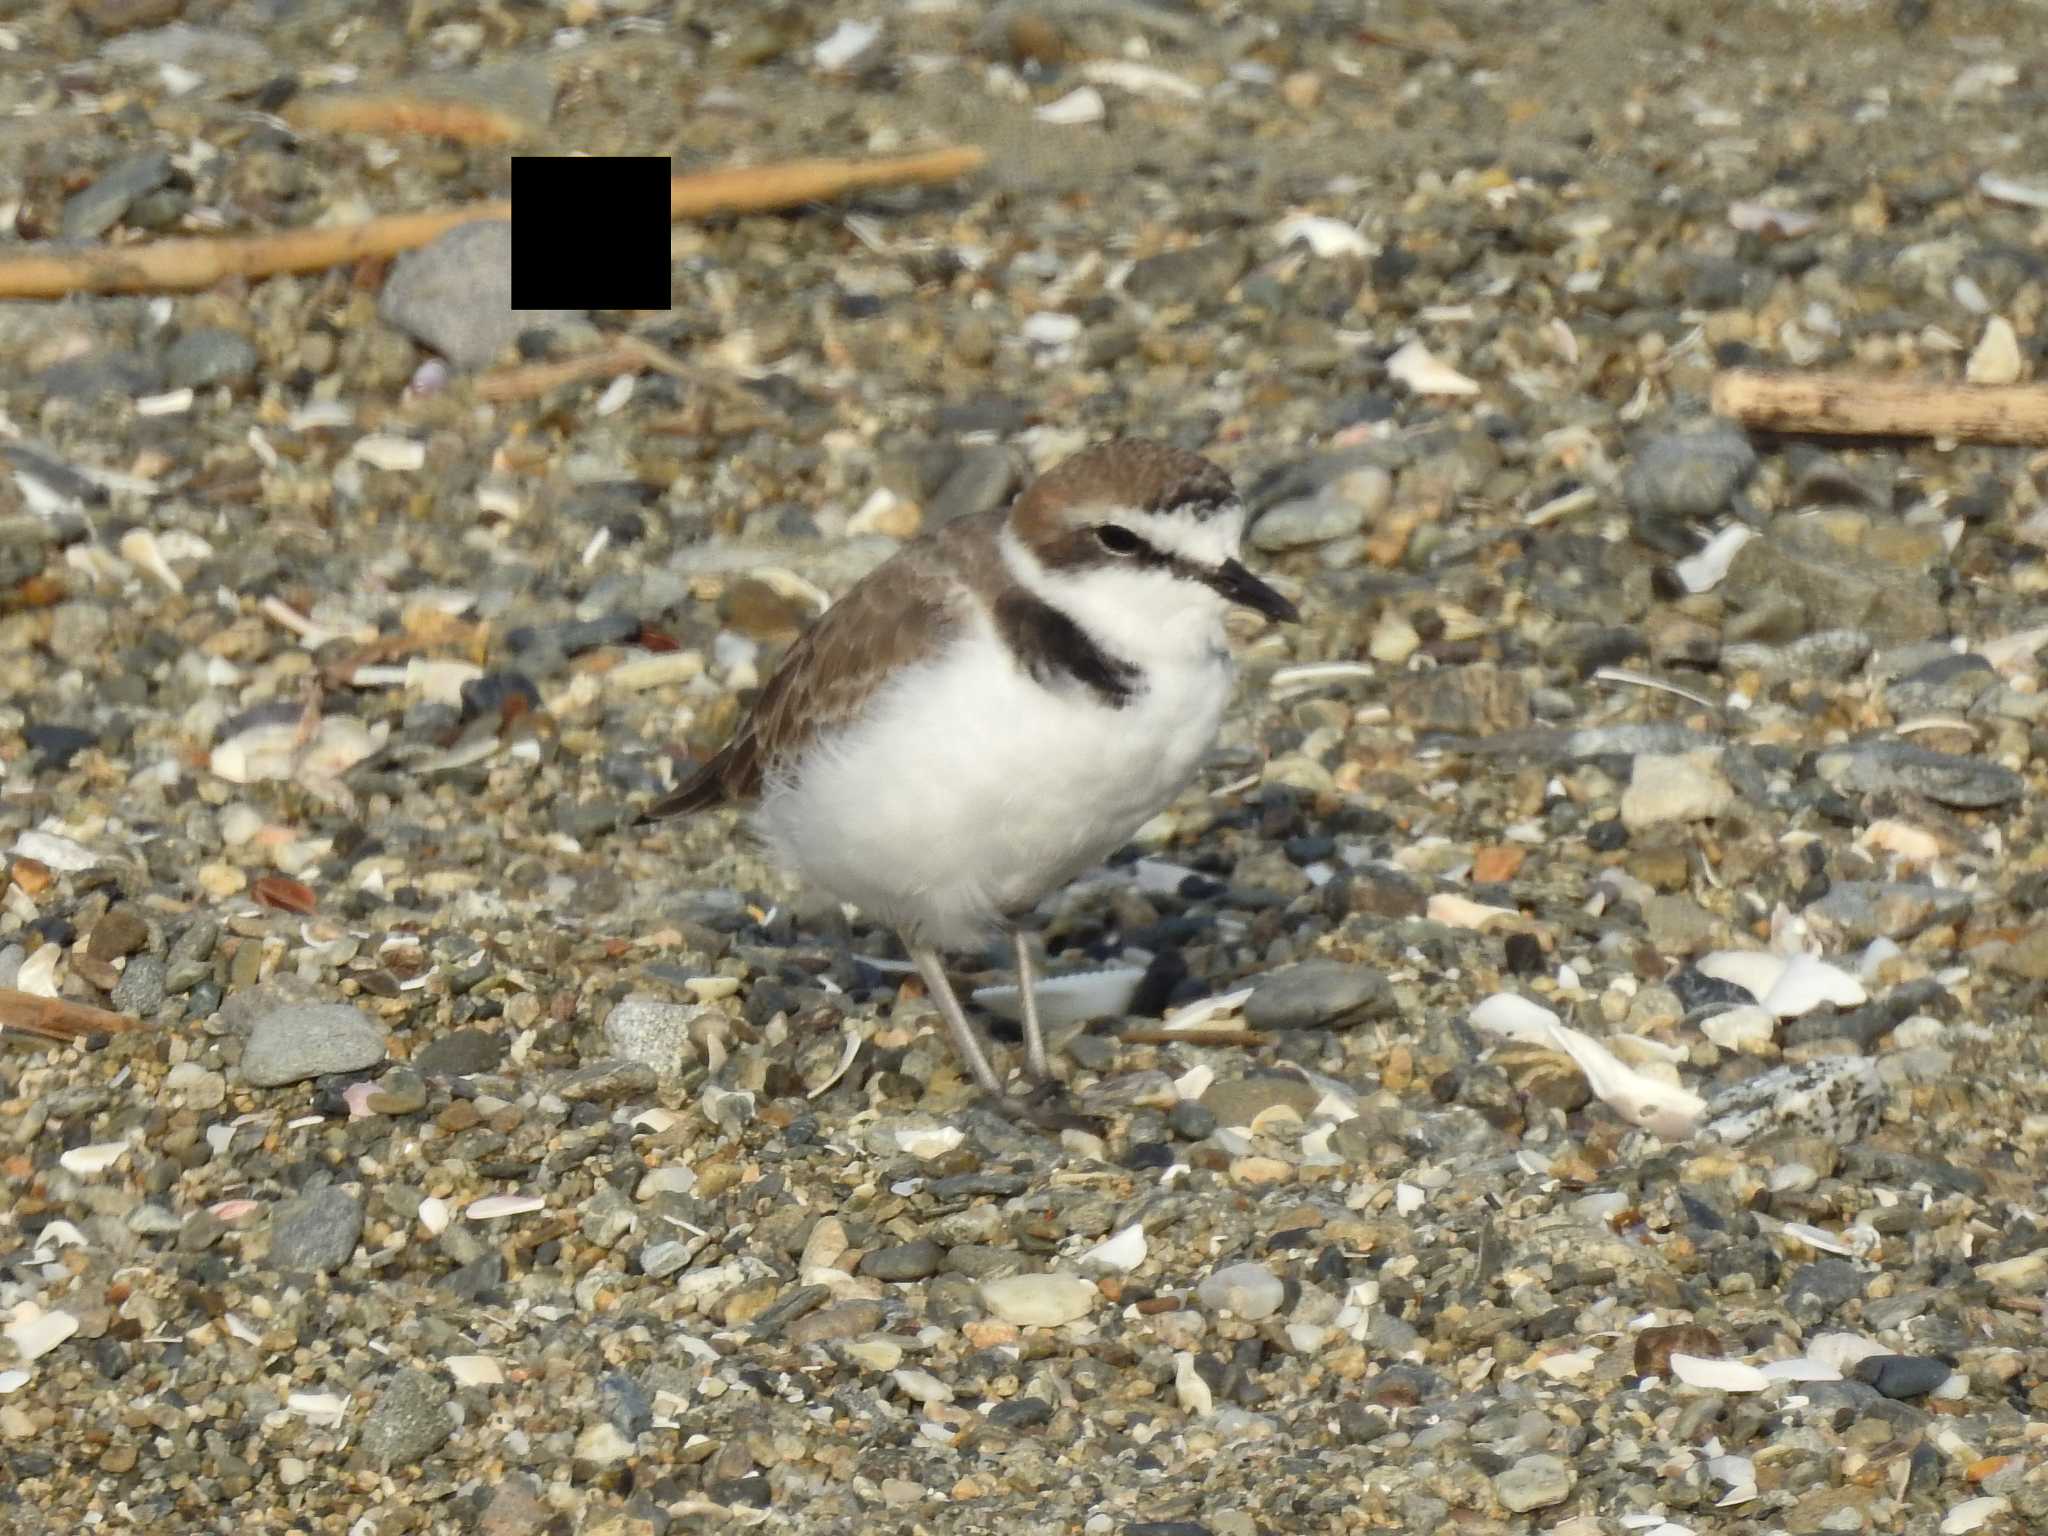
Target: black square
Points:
(590, 232)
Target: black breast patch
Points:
(1052, 648)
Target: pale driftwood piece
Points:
(184, 265)
(52, 1018)
(1855, 405)
(1249, 1037)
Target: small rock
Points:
(210, 355)
(120, 933)
(1684, 786)
(1837, 1098)
(316, 1231)
(1868, 909)
(1681, 479)
(1039, 1301)
(303, 1040)
(1902, 1376)
(608, 1082)
(90, 213)
(460, 1053)
(984, 478)
(455, 295)
(142, 988)
(1311, 520)
(1241, 1100)
(1317, 994)
(1534, 1482)
(410, 1420)
(1656, 1345)
(1876, 765)
(1248, 1291)
(918, 1259)
(1192, 273)
(652, 1032)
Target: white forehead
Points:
(1206, 539)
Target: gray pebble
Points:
(1534, 1482)
(302, 1040)
(1894, 909)
(1835, 1097)
(455, 295)
(1194, 272)
(1875, 765)
(1903, 1376)
(1949, 684)
(608, 1082)
(410, 1420)
(90, 213)
(1249, 1291)
(625, 1403)
(1191, 1120)
(984, 479)
(317, 1231)
(1684, 478)
(460, 1053)
(1311, 520)
(918, 1259)
(141, 989)
(210, 355)
(1328, 993)
(652, 1031)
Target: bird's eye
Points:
(1118, 540)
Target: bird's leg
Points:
(1027, 998)
(965, 1041)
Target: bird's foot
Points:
(1049, 1107)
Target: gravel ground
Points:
(1615, 918)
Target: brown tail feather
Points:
(700, 791)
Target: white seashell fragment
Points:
(1516, 1017)
(97, 1158)
(1662, 1108)
(382, 450)
(845, 43)
(38, 974)
(1324, 237)
(475, 1370)
(2027, 192)
(1409, 1198)
(1707, 568)
(1843, 1351)
(1807, 983)
(1818, 1238)
(1997, 358)
(1140, 79)
(172, 402)
(1913, 844)
(1426, 374)
(1718, 1375)
(63, 1234)
(1074, 109)
(1457, 911)
(323, 1408)
(1753, 217)
(1189, 1389)
(61, 853)
(439, 681)
(1570, 1364)
(1072, 999)
(1199, 1012)
(1800, 1368)
(491, 1207)
(35, 1332)
(240, 1330)
(1050, 328)
(930, 1141)
(435, 1214)
(139, 547)
(1756, 971)
(13, 1381)
(278, 750)
(1120, 1253)
(1749, 1028)
(1973, 1514)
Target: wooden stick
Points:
(1851, 405)
(52, 1018)
(169, 266)
(185, 265)
(395, 114)
(759, 188)
(1251, 1037)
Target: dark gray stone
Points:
(1894, 909)
(1325, 993)
(1682, 479)
(318, 1231)
(1903, 1376)
(210, 355)
(461, 1053)
(918, 1259)
(455, 295)
(90, 213)
(410, 1420)
(1874, 765)
(304, 1040)
(140, 990)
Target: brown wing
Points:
(895, 615)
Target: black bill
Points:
(1239, 585)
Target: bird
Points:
(996, 708)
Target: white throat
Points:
(1140, 614)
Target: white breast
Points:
(970, 790)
